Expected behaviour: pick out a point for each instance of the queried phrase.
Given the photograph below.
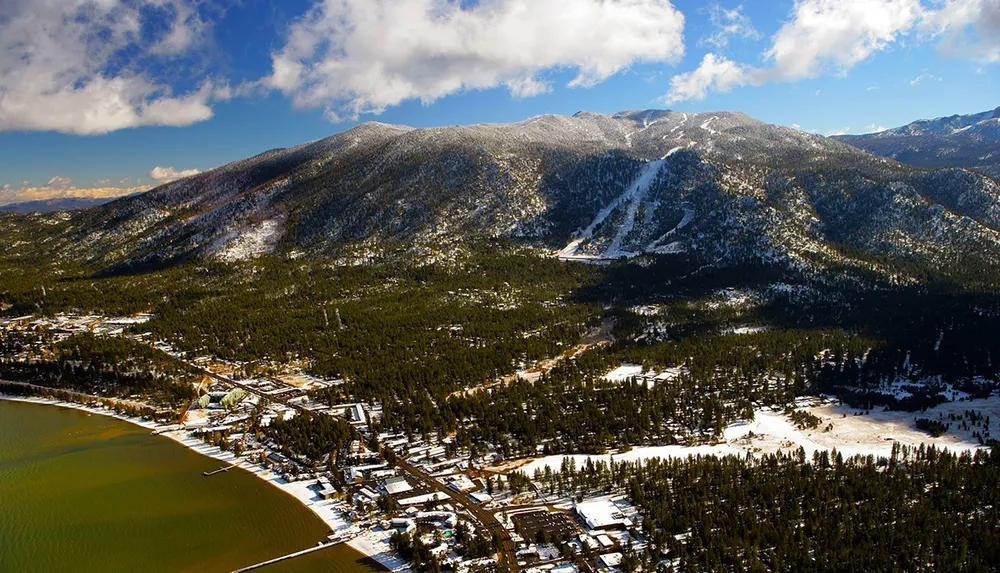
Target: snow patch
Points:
(254, 242)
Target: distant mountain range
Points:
(723, 188)
(971, 141)
(53, 205)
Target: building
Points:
(481, 497)
(602, 515)
(326, 489)
(610, 560)
(396, 485)
(404, 525)
(460, 483)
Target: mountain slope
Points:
(971, 141)
(721, 187)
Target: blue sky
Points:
(98, 97)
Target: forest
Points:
(107, 367)
(921, 509)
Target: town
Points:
(413, 504)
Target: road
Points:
(508, 560)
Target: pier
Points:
(319, 547)
(219, 471)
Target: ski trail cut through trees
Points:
(639, 187)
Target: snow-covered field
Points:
(871, 434)
(627, 371)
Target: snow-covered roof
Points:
(602, 514)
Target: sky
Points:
(107, 97)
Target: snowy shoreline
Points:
(372, 544)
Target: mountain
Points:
(971, 141)
(720, 187)
(53, 205)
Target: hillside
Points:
(971, 141)
(719, 187)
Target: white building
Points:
(602, 515)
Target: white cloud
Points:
(824, 37)
(83, 66)
(924, 77)
(967, 29)
(841, 131)
(874, 128)
(832, 36)
(714, 74)
(169, 174)
(361, 56)
(729, 23)
(59, 181)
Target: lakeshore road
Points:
(508, 560)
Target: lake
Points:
(82, 492)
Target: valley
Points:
(563, 344)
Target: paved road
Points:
(508, 560)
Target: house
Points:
(396, 485)
(481, 497)
(610, 560)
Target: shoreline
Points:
(370, 544)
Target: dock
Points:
(319, 547)
(219, 471)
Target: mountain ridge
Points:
(726, 188)
(969, 141)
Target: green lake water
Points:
(82, 493)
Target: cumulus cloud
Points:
(714, 74)
(169, 174)
(59, 187)
(832, 36)
(824, 37)
(729, 23)
(361, 56)
(86, 66)
(968, 29)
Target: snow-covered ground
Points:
(851, 434)
(627, 371)
(248, 243)
(624, 372)
(375, 544)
